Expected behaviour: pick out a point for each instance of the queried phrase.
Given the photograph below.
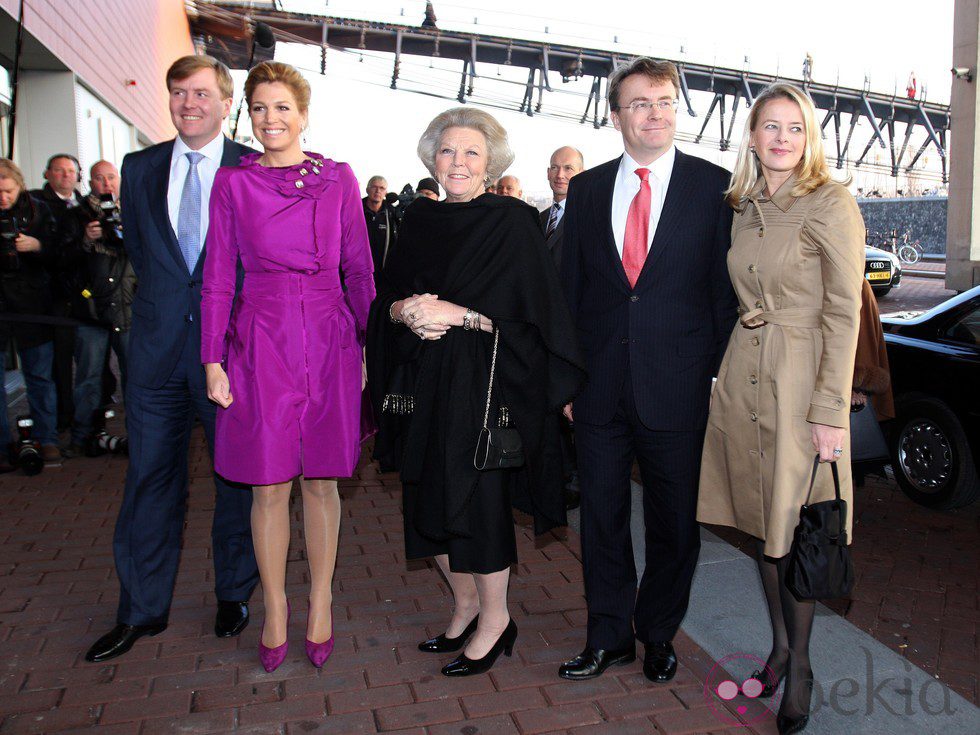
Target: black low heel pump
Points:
(444, 644)
(789, 724)
(769, 686)
(464, 666)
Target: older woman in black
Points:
(465, 267)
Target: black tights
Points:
(792, 623)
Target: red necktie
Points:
(637, 229)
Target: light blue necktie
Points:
(189, 214)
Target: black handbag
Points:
(867, 439)
(497, 448)
(820, 565)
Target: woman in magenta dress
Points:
(283, 358)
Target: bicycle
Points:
(901, 246)
(909, 253)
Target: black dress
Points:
(489, 255)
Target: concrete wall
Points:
(923, 217)
(40, 131)
(107, 42)
(963, 242)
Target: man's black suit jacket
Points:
(668, 333)
(167, 307)
(554, 242)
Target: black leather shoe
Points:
(593, 661)
(659, 661)
(444, 644)
(786, 725)
(119, 640)
(573, 498)
(231, 619)
(462, 665)
(769, 686)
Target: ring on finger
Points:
(838, 451)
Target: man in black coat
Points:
(62, 175)
(644, 269)
(565, 163)
(104, 288)
(165, 190)
(381, 221)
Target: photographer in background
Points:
(381, 220)
(27, 233)
(63, 174)
(102, 289)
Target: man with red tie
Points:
(644, 267)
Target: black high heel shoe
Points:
(444, 644)
(769, 686)
(464, 666)
(786, 724)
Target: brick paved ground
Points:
(915, 294)
(58, 593)
(916, 586)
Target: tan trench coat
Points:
(797, 265)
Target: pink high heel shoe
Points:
(271, 658)
(318, 653)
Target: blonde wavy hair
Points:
(811, 172)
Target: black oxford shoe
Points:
(231, 619)
(659, 661)
(119, 640)
(593, 661)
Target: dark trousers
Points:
(669, 463)
(148, 533)
(64, 352)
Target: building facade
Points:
(91, 79)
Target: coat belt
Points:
(805, 318)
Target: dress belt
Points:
(805, 318)
(266, 283)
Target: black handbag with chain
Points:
(497, 448)
(820, 565)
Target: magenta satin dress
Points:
(292, 343)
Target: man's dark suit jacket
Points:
(168, 298)
(668, 333)
(555, 241)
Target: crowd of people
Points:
(663, 311)
(66, 288)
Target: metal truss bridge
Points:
(227, 30)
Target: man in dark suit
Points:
(645, 242)
(565, 163)
(165, 194)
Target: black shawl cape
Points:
(489, 255)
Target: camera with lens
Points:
(103, 442)
(26, 451)
(9, 230)
(110, 220)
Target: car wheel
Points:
(880, 291)
(931, 457)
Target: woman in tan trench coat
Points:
(784, 387)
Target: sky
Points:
(356, 117)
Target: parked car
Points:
(935, 364)
(882, 270)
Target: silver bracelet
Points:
(468, 318)
(391, 314)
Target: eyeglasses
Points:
(645, 106)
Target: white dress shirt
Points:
(628, 184)
(207, 167)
